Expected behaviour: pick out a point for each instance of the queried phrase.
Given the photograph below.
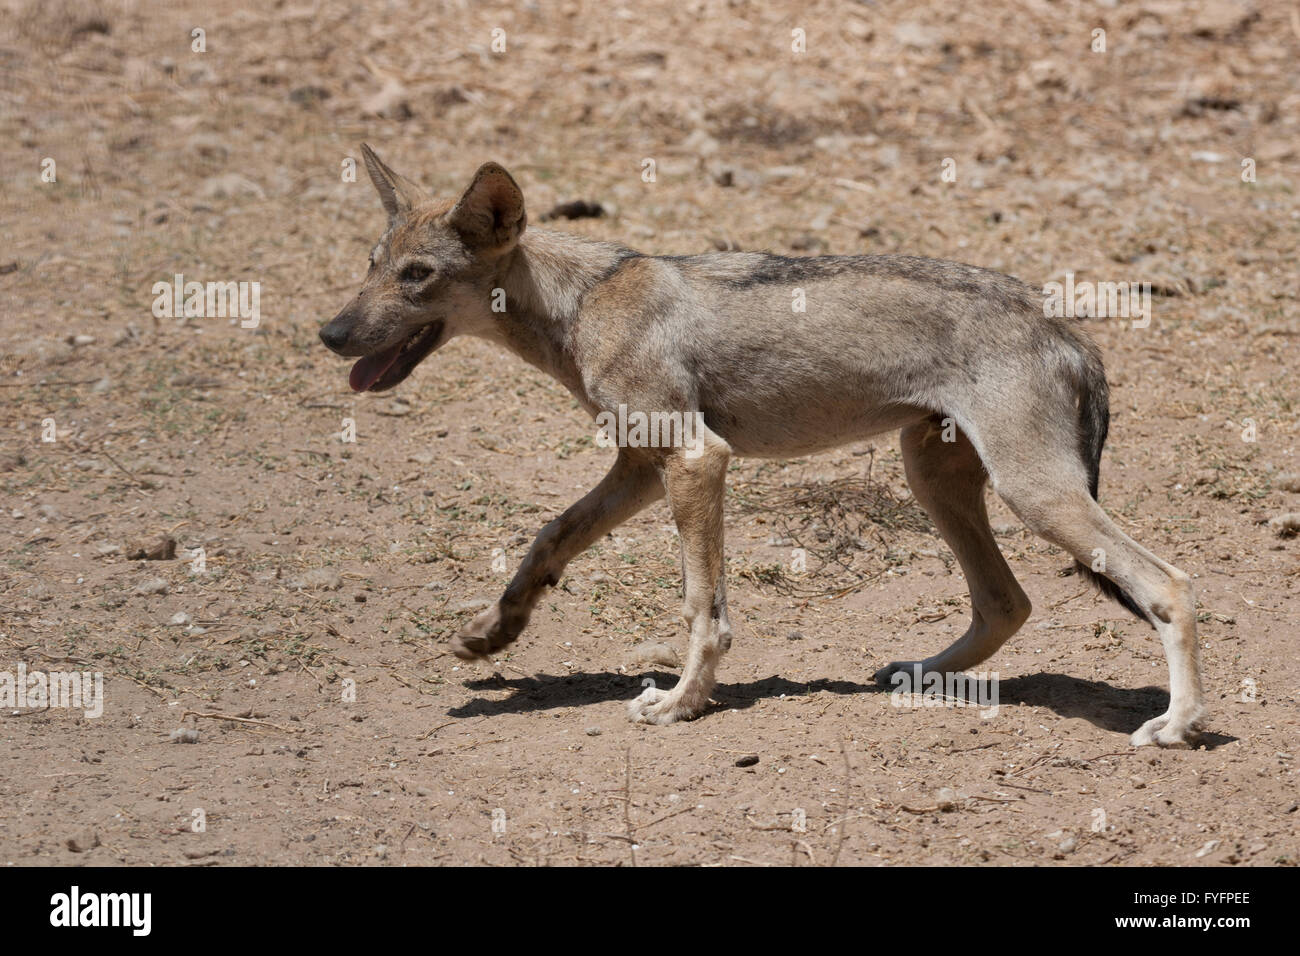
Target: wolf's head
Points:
(432, 273)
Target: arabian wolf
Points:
(982, 384)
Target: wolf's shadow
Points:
(1114, 709)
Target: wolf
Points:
(777, 357)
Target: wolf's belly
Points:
(803, 428)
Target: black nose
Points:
(334, 335)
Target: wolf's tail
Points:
(1094, 423)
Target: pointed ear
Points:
(490, 215)
(397, 193)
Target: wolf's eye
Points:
(415, 273)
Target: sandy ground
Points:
(337, 570)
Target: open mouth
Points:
(383, 370)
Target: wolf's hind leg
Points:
(1070, 518)
(948, 478)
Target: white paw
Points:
(639, 704)
(655, 706)
(1164, 732)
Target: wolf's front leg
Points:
(629, 486)
(696, 488)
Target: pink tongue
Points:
(368, 370)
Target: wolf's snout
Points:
(335, 334)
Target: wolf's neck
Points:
(545, 279)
